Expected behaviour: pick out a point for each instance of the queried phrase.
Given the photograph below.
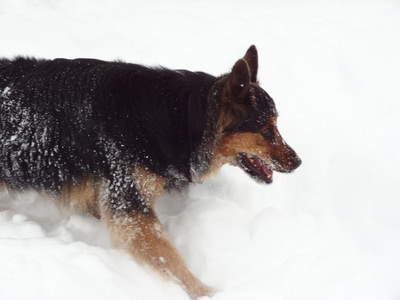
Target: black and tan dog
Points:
(108, 138)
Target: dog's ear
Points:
(234, 95)
(251, 57)
(238, 82)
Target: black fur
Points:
(62, 120)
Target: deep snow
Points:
(329, 231)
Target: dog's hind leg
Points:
(141, 233)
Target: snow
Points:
(328, 231)
(6, 92)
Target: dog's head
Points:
(248, 121)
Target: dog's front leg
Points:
(144, 237)
(139, 231)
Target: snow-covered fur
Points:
(109, 137)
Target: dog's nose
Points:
(296, 162)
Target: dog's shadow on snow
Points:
(33, 215)
(37, 215)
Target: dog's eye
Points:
(267, 133)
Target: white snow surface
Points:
(331, 230)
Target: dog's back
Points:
(63, 119)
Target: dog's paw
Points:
(202, 292)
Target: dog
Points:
(108, 138)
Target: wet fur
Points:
(108, 138)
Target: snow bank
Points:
(329, 231)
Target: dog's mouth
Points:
(255, 167)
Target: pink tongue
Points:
(266, 170)
(263, 167)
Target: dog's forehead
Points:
(263, 103)
(261, 111)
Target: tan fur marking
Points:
(233, 144)
(145, 238)
(82, 196)
(251, 143)
(150, 185)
